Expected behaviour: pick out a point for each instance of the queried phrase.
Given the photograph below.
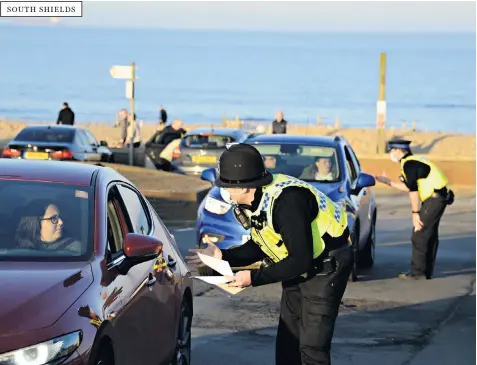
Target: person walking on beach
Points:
(66, 115)
(123, 124)
(426, 183)
(279, 125)
(162, 117)
(133, 132)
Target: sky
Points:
(395, 16)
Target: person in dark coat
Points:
(279, 125)
(172, 132)
(66, 115)
(162, 116)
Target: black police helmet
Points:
(241, 166)
(402, 144)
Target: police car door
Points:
(360, 198)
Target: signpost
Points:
(381, 106)
(129, 73)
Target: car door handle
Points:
(151, 280)
(170, 261)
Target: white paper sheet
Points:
(220, 283)
(220, 266)
(214, 280)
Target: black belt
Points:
(441, 193)
(325, 264)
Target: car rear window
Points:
(46, 135)
(206, 141)
(43, 221)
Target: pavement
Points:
(383, 320)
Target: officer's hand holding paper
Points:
(211, 256)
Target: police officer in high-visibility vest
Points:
(302, 238)
(427, 184)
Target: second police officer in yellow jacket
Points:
(429, 194)
(302, 238)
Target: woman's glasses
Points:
(54, 219)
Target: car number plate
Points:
(36, 155)
(204, 159)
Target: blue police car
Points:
(327, 163)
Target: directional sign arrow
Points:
(121, 72)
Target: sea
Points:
(202, 76)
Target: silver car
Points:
(201, 148)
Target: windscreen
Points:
(42, 221)
(206, 141)
(46, 135)
(308, 163)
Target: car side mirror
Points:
(209, 175)
(103, 143)
(139, 248)
(364, 180)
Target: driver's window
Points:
(355, 159)
(81, 139)
(91, 138)
(350, 166)
(116, 231)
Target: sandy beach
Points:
(441, 145)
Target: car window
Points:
(81, 139)
(350, 165)
(45, 134)
(355, 159)
(206, 141)
(115, 230)
(243, 137)
(43, 221)
(92, 141)
(307, 162)
(139, 219)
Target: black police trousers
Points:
(308, 313)
(426, 240)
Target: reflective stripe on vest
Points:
(434, 181)
(331, 219)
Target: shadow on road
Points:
(363, 335)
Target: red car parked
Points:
(89, 274)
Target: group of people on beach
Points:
(131, 132)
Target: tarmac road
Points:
(383, 320)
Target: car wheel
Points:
(111, 159)
(183, 347)
(355, 245)
(366, 257)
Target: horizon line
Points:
(12, 24)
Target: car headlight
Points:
(50, 352)
(216, 206)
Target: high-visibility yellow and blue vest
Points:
(331, 219)
(436, 179)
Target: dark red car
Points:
(89, 274)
